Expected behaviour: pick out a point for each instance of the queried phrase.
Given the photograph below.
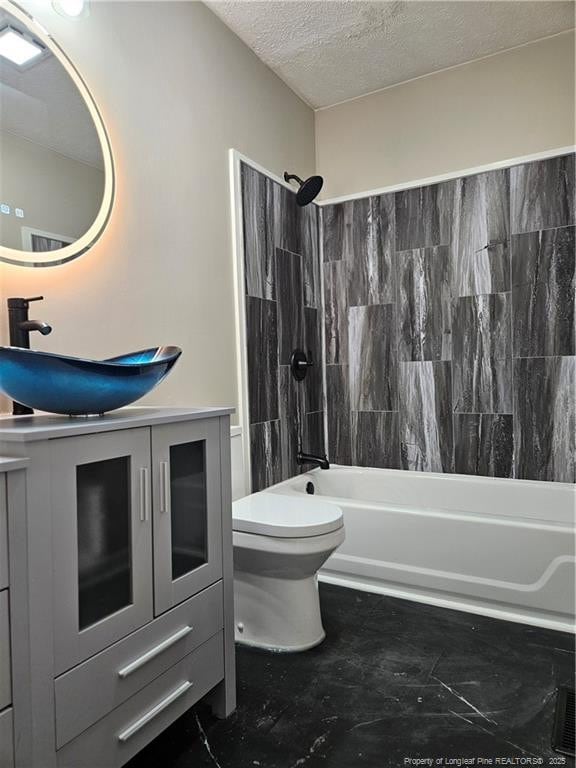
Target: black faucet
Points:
(20, 329)
(308, 458)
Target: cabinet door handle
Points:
(152, 713)
(144, 494)
(164, 487)
(153, 652)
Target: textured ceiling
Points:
(41, 103)
(330, 51)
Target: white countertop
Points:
(47, 426)
(8, 465)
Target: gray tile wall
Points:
(450, 325)
(283, 312)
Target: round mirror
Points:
(56, 171)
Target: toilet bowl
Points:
(280, 543)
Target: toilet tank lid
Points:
(271, 514)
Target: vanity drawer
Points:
(113, 740)
(5, 677)
(6, 739)
(117, 673)
(4, 577)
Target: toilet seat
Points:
(287, 517)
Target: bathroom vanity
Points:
(116, 572)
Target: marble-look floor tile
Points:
(424, 393)
(338, 414)
(372, 358)
(368, 249)
(365, 697)
(375, 441)
(423, 216)
(258, 213)
(483, 444)
(480, 234)
(262, 353)
(313, 383)
(482, 366)
(424, 304)
(542, 194)
(333, 232)
(290, 304)
(310, 226)
(543, 293)
(336, 313)
(265, 454)
(545, 418)
(313, 434)
(287, 226)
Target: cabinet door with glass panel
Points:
(102, 541)
(187, 510)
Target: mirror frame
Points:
(87, 240)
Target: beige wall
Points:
(176, 89)
(57, 194)
(516, 103)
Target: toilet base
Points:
(281, 615)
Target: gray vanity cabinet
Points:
(8, 691)
(102, 541)
(186, 496)
(116, 611)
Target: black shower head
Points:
(309, 189)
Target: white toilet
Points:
(280, 543)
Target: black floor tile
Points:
(393, 680)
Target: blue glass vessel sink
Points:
(78, 387)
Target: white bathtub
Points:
(504, 548)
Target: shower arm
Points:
(288, 177)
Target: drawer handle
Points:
(151, 714)
(144, 494)
(164, 486)
(153, 652)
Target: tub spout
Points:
(308, 458)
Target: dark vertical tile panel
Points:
(423, 216)
(288, 391)
(375, 440)
(369, 244)
(424, 394)
(279, 235)
(313, 434)
(483, 444)
(480, 233)
(338, 414)
(265, 454)
(424, 304)
(310, 245)
(262, 348)
(545, 418)
(543, 277)
(336, 308)
(257, 207)
(289, 430)
(312, 384)
(482, 366)
(372, 358)
(333, 232)
(287, 226)
(542, 194)
(290, 304)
